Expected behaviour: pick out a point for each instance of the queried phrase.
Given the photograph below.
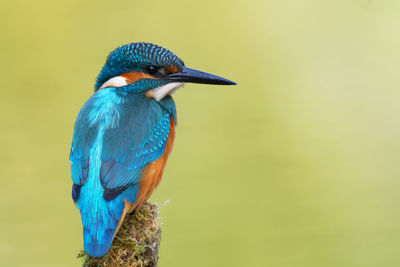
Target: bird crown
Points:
(136, 56)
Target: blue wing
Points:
(137, 138)
(140, 139)
(83, 139)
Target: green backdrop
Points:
(297, 165)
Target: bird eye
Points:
(152, 69)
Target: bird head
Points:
(150, 69)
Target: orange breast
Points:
(152, 173)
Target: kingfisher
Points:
(123, 135)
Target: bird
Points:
(123, 135)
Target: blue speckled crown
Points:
(133, 56)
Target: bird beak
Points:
(188, 75)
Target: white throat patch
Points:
(160, 92)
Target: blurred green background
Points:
(297, 165)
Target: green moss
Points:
(136, 243)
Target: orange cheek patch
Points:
(135, 76)
(171, 69)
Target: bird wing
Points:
(82, 141)
(138, 139)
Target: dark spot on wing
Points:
(110, 194)
(76, 189)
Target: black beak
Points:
(188, 75)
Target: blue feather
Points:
(115, 136)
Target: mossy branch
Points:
(136, 243)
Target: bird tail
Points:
(99, 218)
(99, 228)
(93, 246)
